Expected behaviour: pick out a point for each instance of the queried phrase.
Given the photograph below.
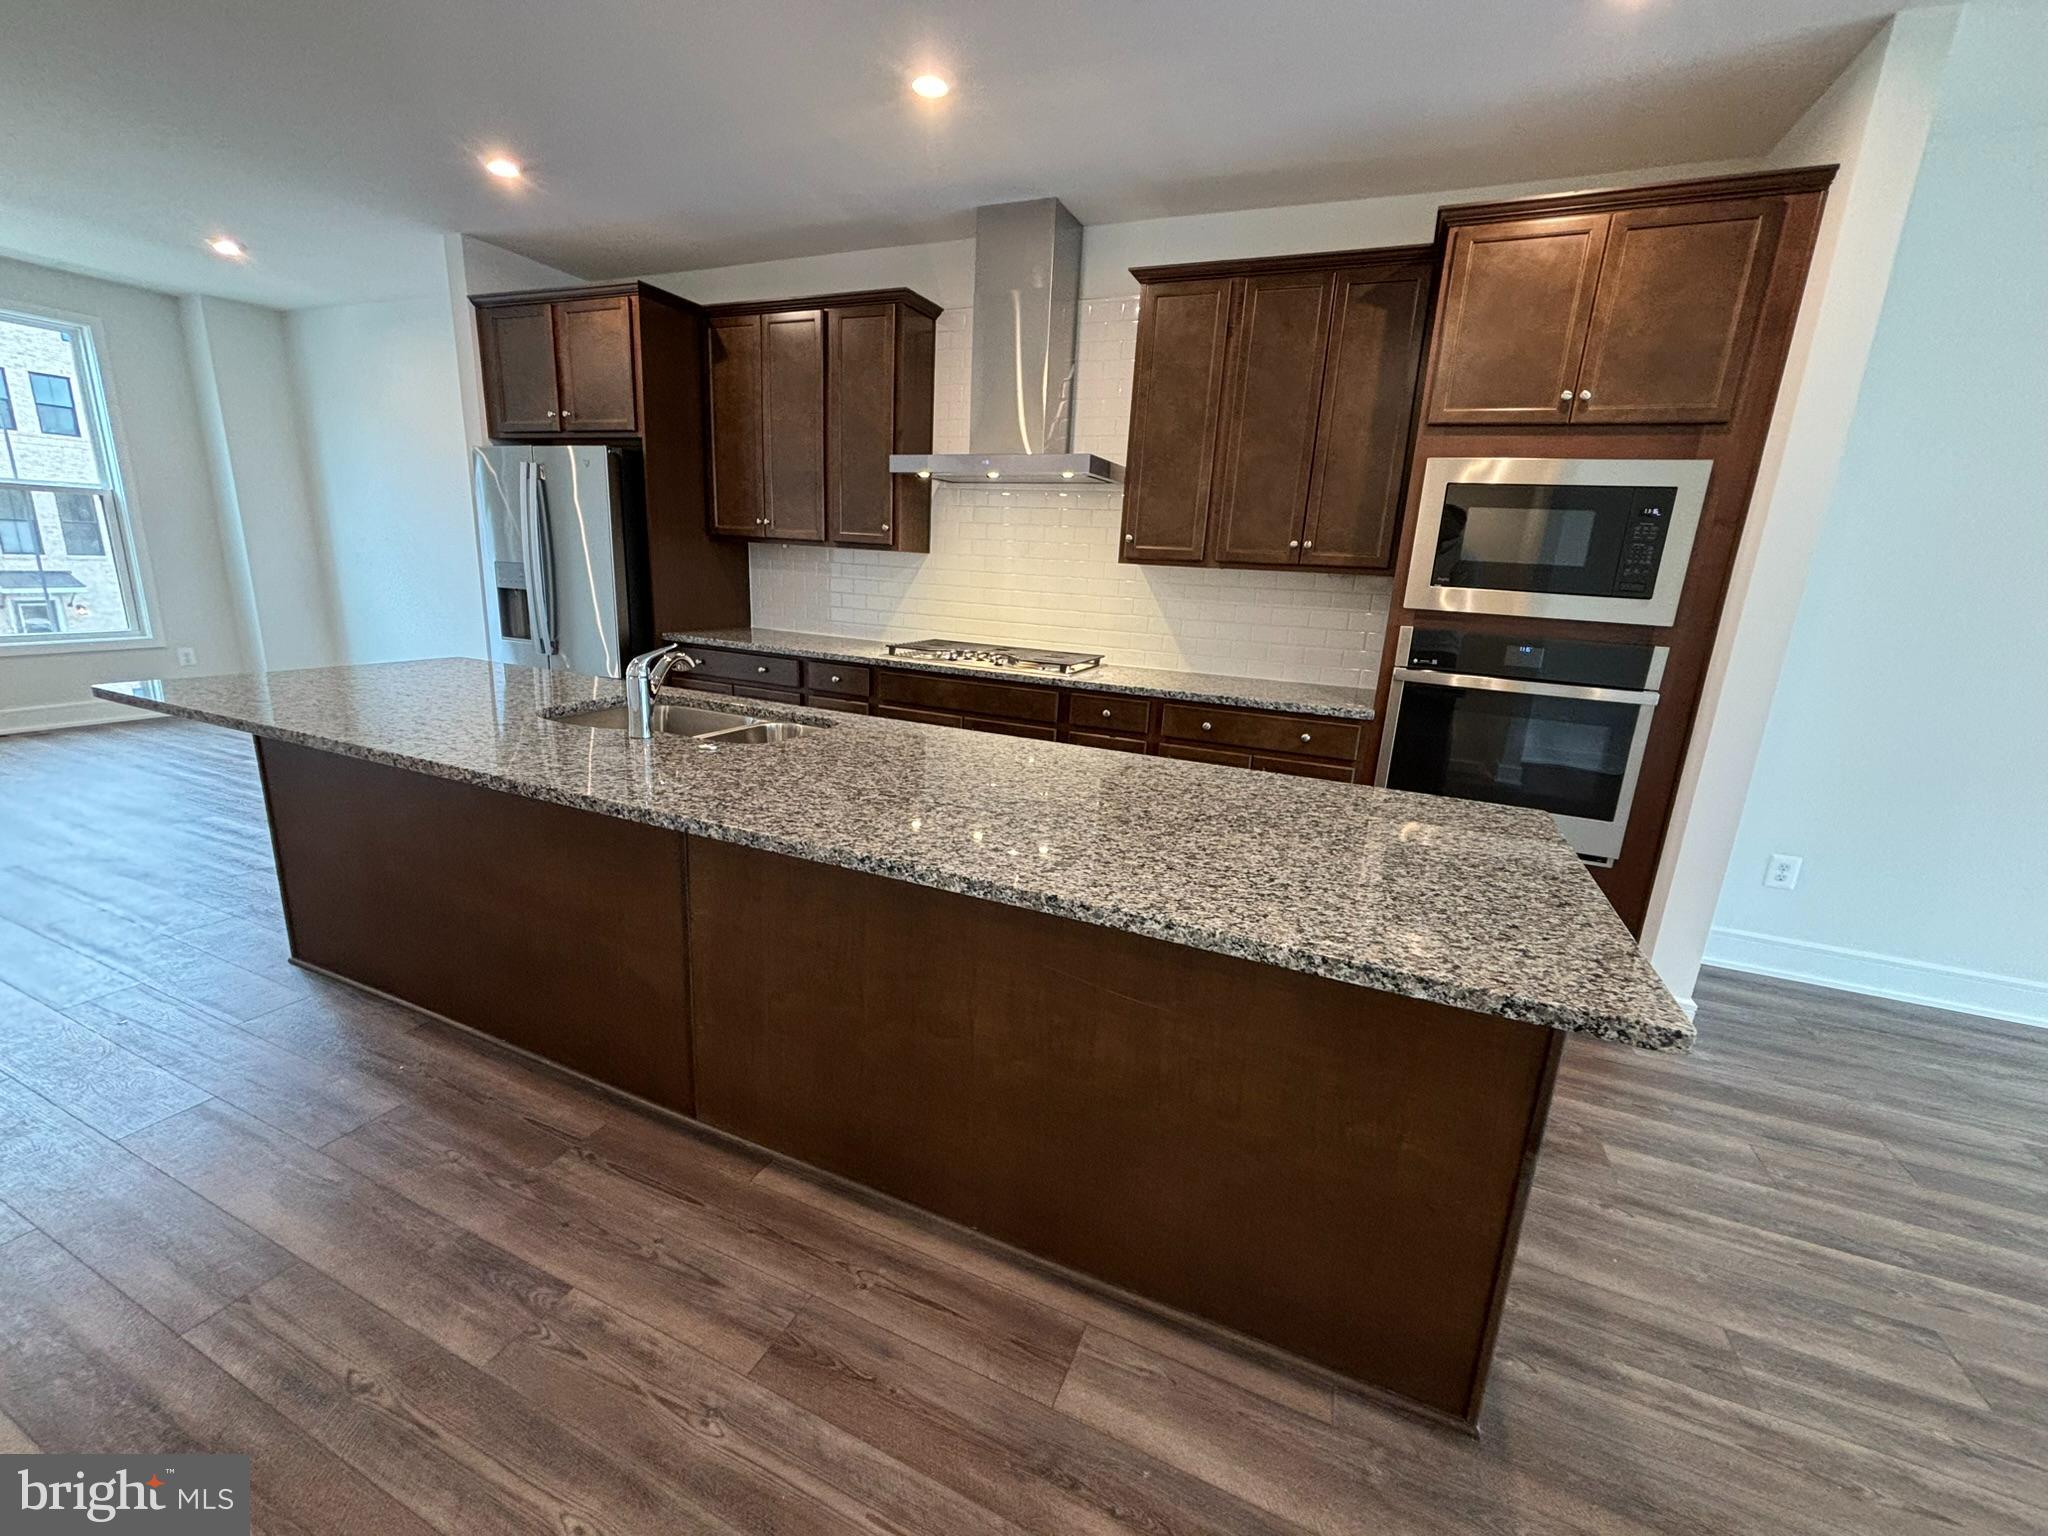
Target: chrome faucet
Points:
(644, 674)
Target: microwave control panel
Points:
(1641, 547)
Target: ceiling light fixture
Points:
(227, 246)
(504, 167)
(930, 87)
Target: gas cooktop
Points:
(1011, 658)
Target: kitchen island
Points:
(1274, 1052)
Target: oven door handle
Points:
(1526, 685)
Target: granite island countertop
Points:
(1216, 688)
(1478, 906)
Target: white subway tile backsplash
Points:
(1035, 565)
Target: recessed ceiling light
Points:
(504, 167)
(931, 87)
(228, 246)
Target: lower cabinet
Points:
(1307, 746)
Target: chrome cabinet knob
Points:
(1105, 714)
(1130, 538)
(567, 414)
(1205, 725)
(1294, 543)
(1308, 543)
(551, 415)
(1304, 735)
(760, 669)
(1566, 395)
(1585, 394)
(835, 677)
(885, 527)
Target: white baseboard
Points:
(20, 718)
(1986, 993)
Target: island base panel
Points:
(558, 931)
(1332, 1169)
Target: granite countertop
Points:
(1195, 687)
(1480, 906)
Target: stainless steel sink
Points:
(758, 731)
(711, 727)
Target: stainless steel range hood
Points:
(1027, 295)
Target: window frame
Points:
(35, 532)
(7, 422)
(98, 523)
(95, 401)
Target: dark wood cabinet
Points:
(559, 366)
(1271, 408)
(809, 397)
(1675, 315)
(621, 363)
(1644, 316)
(878, 403)
(516, 344)
(1271, 392)
(1176, 408)
(594, 364)
(1378, 319)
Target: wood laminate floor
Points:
(1794, 1282)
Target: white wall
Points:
(1874, 123)
(170, 496)
(1905, 751)
(388, 458)
(272, 538)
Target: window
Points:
(37, 617)
(18, 535)
(67, 573)
(56, 406)
(79, 516)
(6, 405)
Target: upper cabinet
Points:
(1643, 316)
(809, 398)
(1270, 409)
(560, 365)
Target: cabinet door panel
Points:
(737, 502)
(793, 423)
(1270, 398)
(1517, 299)
(1376, 335)
(516, 346)
(1176, 397)
(594, 362)
(860, 356)
(1676, 311)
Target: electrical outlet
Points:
(1781, 873)
(187, 657)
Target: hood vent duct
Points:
(1027, 299)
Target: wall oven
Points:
(1555, 724)
(1591, 539)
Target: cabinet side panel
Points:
(557, 931)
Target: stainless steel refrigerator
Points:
(562, 533)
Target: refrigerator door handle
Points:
(541, 580)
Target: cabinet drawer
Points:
(1012, 728)
(1302, 767)
(967, 696)
(921, 716)
(1106, 743)
(762, 691)
(747, 667)
(842, 706)
(1205, 755)
(1108, 712)
(1300, 735)
(836, 677)
(698, 684)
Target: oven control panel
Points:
(1548, 658)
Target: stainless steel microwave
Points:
(1603, 540)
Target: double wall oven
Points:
(1536, 714)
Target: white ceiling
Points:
(338, 138)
